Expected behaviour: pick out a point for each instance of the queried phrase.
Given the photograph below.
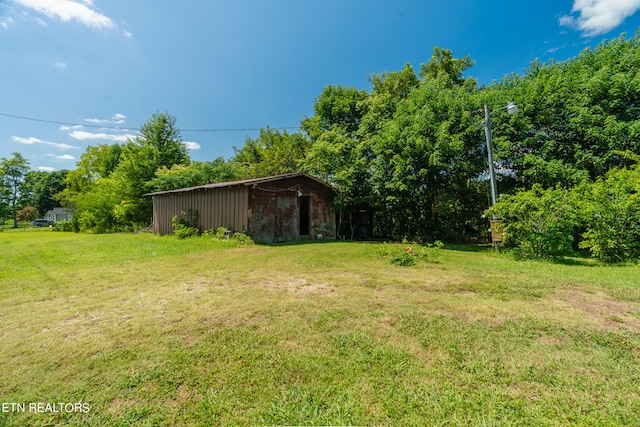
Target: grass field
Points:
(147, 330)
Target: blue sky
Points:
(104, 67)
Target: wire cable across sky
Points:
(102, 126)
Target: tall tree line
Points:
(412, 147)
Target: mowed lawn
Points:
(149, 330)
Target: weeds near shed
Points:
(223, 233)
(186, 224)
(410, 254)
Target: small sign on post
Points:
(497, 233)
(497, 230)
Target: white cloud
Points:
(33, 140)
(29, 141)
(69, 10)
(116, 119)
(60, 64)
(5, 24)
(82, 135)
(191, 145)
(66, 128)
(127, 34)
(46, 168)
(66, 157)
(555, 49)
(599, 16)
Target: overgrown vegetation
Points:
(603, 216)
(539, 223)
(610, 211)
(150, 330)
(412, 150)
(187, 224)
(409, 254)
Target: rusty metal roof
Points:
(252, 181)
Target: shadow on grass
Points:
(578, 259)
(298, 242)
(327, 241)
(468, 247)
(586, 261)
(577, 262)
(448, 246)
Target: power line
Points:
(13, 116)
(62, 123)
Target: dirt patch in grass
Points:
(196, 284)
(547, 339)
(299, 286)
(601, 310)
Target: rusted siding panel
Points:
(275, 210)
(322, 213)
(274, 217)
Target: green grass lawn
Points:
(149, 330)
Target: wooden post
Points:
(497, 233)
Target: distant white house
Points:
(59, 214)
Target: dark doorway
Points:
(305, 203)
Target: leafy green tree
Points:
(160, 137)
(427, 159)
(108, 160)
(576, 116)
(100, 210)
(337, 153)
(96, 162)
(444, 67)
(410, 148)
(396, 84)
(40, 188)
(337, 109)
(158, 145)
(195, 174)
(5, 209)
(610, 210)
(389, 88)
(271, 153)
(12, 174)
(339, 160)
(107, 190)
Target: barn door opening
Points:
(305, 218)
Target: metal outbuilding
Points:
(271, 209)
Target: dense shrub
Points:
(65, 225)
(541, 223)
(186, 224)
(611, 215)
(538, 223)
(409, 254)
(242, 238)
(224, 233)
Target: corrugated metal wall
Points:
(220, 207)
